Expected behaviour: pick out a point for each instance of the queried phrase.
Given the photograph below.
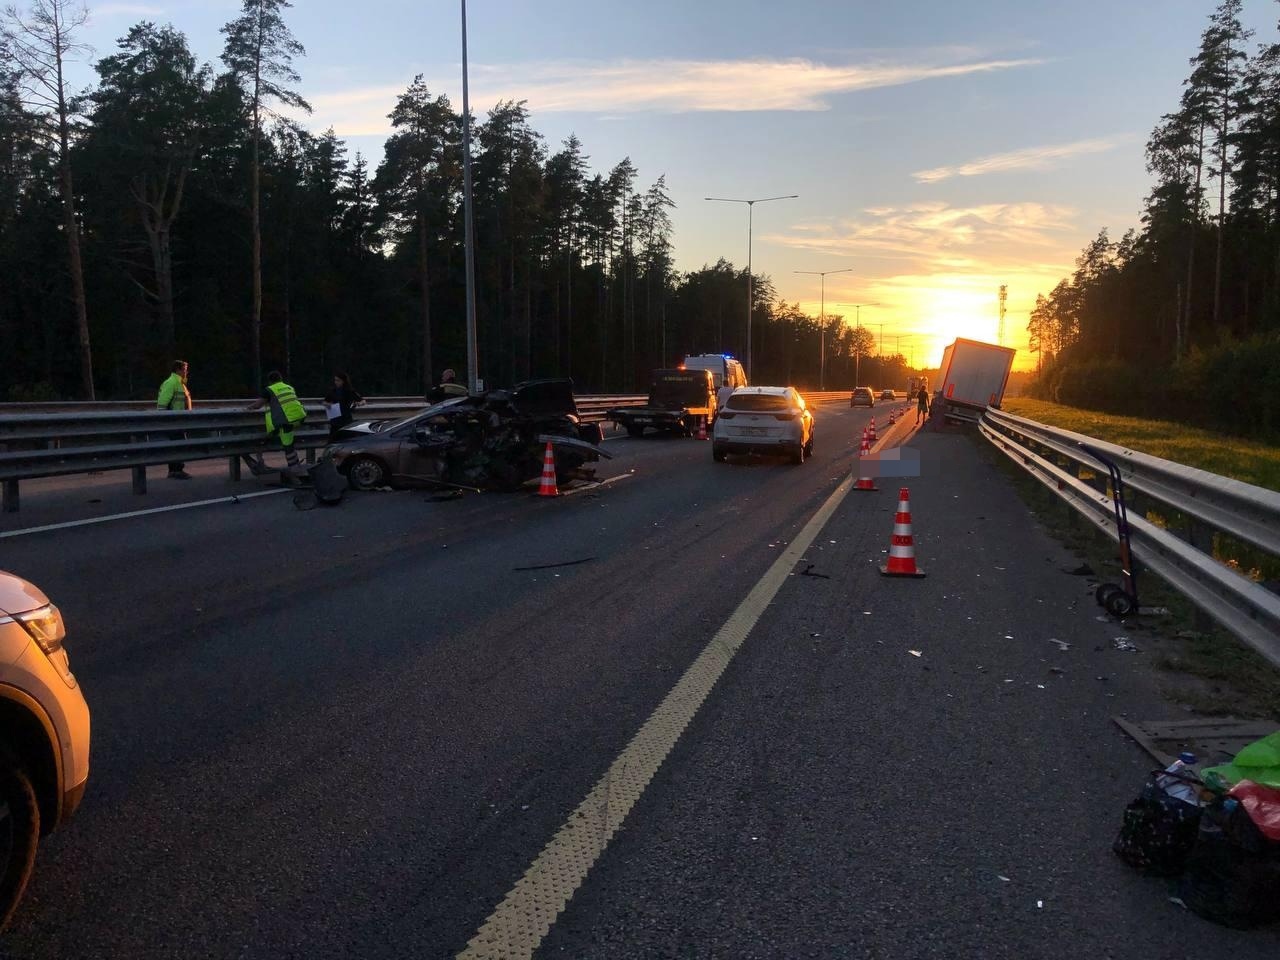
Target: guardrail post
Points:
(139, 480)
(233, 467)
(11, 496)
(311, 454)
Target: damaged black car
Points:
(491, 441)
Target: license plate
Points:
(643, 420)
(754, 431)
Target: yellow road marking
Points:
(527, 913)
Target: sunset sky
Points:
(939, 149)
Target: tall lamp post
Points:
(857, 357)
(468, 229)
(750, 211)
(822, 325)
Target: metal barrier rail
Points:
(1212, 504)
(102, 436)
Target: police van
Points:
(726, 373)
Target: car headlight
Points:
(45, 626)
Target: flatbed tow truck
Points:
(678, 399)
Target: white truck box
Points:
(974, 374)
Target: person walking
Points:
(174, 395)
(284, 413)
(342, 396)
(922, 404)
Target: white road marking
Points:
(527, 913)
(140, 513)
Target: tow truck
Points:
(678, 399)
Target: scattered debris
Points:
(1122, 643)
(808, 572)
(1084, 570)
(549, 566)
(445, 497)
(915, 653)
(1057, 670)
(1062, 644)
(1002, 877)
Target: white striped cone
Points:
(872, 430)
(864, 483)
(902, 550)
(702, 428)
(547, 486)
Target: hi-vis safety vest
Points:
(283, 408)
(173, 394)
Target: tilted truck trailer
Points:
(973, 377)
(678, 399)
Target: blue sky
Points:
(939, 148)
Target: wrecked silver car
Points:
(493, 441)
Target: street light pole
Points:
(857, 356)
(750, 213)
(473, 364)
(822, 325)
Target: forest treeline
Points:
(173, 210)
(1180, 318)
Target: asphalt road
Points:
(348, 732)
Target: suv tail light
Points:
(789, 415)
(726, 415)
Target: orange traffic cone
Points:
(702, 428)
(871, 430)
(547, 487)
(902, 550)
(865, 483)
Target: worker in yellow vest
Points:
(284, 413)
(174, 395)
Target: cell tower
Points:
(1004, 298)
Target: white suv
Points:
(44, 733)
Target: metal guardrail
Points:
(1213, 506)
(91, 437)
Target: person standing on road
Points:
(284, 413)
(922, 404)
(174, 395)
(342, 396)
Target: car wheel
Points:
(635, 431)
(717, 454)
(19, 835)
(797, 455)
(366, 473)
(808, 447)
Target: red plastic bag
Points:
(1262, 804)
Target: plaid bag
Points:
(1158, 830)
(1233, 873)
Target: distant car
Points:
(862, 397)
(887, 395)
(44, 733)
(768, 420)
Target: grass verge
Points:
(1245, 460)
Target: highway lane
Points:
(840, 797)
(342, 732)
